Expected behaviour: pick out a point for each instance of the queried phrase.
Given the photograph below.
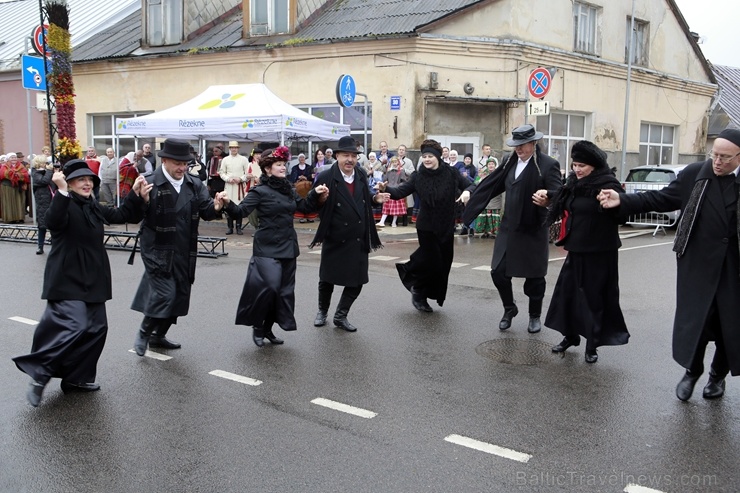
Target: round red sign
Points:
(37, 40)
(539, 82)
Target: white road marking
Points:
(237, 378)
(383, 258)
(345, 408)
(483, 267)
(150, 354)
(457, 265)
(636, 488)
(24, 320)
(646, 246)
(488, 448)
(315, 252)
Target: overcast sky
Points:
(718, 23)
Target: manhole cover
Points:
(516, 351)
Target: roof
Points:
(86, 18)
(728, 79)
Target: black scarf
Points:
(335, 179)
(435, 184)
(282, 185)
(90, 209)
(588, 186)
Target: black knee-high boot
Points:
(143, 334)
(349, 295)
(325, 291)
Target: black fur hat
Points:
(588, 153)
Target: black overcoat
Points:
(525, 248)
(709, 267)
(164, 291)
(41, 180)
(345, 247)
(77, 267)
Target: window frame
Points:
(569, 138)
(171, 22)
(590, 46)
(642, 42)
(647, 147)
(112, 138)
(270, 26)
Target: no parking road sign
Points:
(539, 82)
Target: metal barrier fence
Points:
(658, 220)
(209, 246)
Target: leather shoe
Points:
(343, 323)
(239, 231)
(35, 391)
(141, 342)
(79, 387)
(258, 337)
(591, 356)
(685, 387)
(40, 250)
(565, 344)
(715, 388)
(230, 231)
(320, 319)
(505, 322)
(163, 342)
(534, 325)
(421, 303)
(271, 337)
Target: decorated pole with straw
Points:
(59, 80)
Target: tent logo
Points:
(296, 122)
(248, 124)
(227, 101)
(125, 124)
(259, 122)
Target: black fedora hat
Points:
(522, 135)
(76, 168)
(346, 144)
(179, 150)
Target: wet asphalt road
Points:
(428, 382)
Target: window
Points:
(656, 143)
(561, 131)
(164, 22)
(103, 137)
(353, 116)
(585, 27)
(639, 43)
(269, 17)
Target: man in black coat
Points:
(708, 261)
(169, 244)
(522, 243)
(346, 233)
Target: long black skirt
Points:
(427, 271)
(67, 342)
(586, 300)
(268, 296)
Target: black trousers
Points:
(349, 295)
(534, 288)
(712, 332)
(67, 342)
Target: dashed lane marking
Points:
(315, 252)
(345, 408)
(488, 448)
(636, 488)
(646, 246)
(457, 265)
(153, 355)
(483, 267)
(24, 320)
(384, 258)
(236, 378)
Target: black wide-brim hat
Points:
(522, 135)
(586, 152)
(179, 150)
(76, 168)
(346, 144)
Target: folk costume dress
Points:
(428, 270)
(586, 297)
(394, 177)
(14, 181)
(71, 334)
(303, 187)
(268, 296)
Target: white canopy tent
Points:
(249, 112)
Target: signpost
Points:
(34, 73)
(346, 90)
(539, 83)
(538, 108)
(37, 39)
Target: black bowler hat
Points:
(346, 144)
(179, 150)
(76, 168)
(586, 152)
(522, 135)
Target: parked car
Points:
(652, 177)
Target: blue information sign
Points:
(34, 73)
(395, 102)
(346, 91)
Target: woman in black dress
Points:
(586, 297)
(77, 282)
(437, 185)
(269, 290)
